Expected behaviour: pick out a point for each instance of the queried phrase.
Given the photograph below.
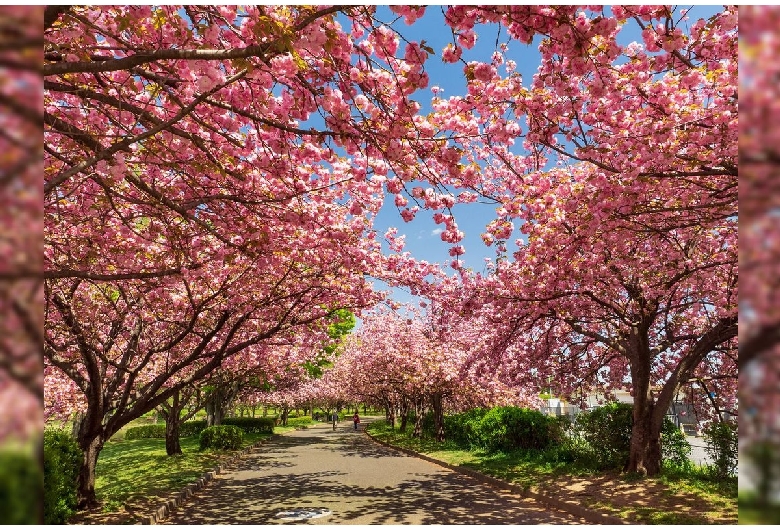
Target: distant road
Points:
(354, 481)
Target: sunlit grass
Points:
(133, 472)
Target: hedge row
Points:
(598, 439)
(252, 425)
(297, 422)
(195, 427)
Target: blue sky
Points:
(422, 234)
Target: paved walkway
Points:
(358, 481)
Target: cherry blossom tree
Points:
(412, 362)
(152, 341)
(627, 267)
(759, 194)
(169, 251)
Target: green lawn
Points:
(691, 497)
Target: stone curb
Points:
(589, 515)
(174, 502)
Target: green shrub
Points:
(607, 430)
(299, 421)
(511, 428)
(21, 485)
(463, 428)
(257, 425)
(675, 449)
(62, 461)
(192, 428)
(722, 446)
(195, 427)
(221, 437)
(503, 429)
(154, 430)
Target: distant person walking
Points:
(356, 420)
(335, 419)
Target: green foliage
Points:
(299, 421)
(722, 447)
(221, 437)
(253, 425)
(463, 428)
(503, 429)
(675, 449)
(62, 461)
(191, 428)
(143, 432)
(342, 321)
(600, 439)
(21, 483)
(195, 427)
(607, 431)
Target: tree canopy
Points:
(213, 176)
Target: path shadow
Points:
(430, 496)
(447, 499)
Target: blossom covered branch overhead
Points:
(213, 176)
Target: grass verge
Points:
(674, 497)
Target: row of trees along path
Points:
(212, 176)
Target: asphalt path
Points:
(344, 477)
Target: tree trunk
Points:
(438, 415)
(86, 479)
(171, 413)
(285, 412)
(214, 413)
(172, 443)
(645, 453)
(219, 401)
(78, 419)
(419, 410)
(404, 413)
(390, 413)
(645, 450)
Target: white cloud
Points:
(437, 231)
